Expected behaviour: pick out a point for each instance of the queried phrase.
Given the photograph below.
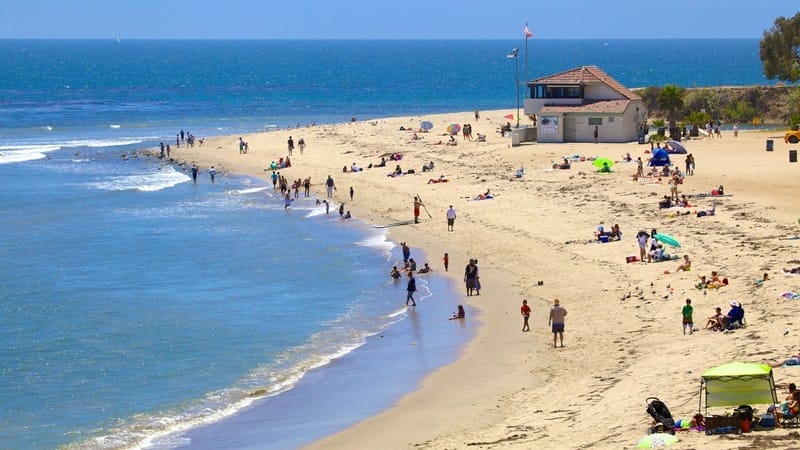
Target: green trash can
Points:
(792, 156)
(770, 145)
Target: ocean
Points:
(139, 308)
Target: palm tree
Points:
(697, 118)
(670, 99)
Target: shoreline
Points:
(504, 379)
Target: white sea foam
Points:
(148, 182)
(113, 125)
(250, 191)
(167, 429)
(19, 153)
(378, 241)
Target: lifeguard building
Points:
(569, 105)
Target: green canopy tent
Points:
(735, 384)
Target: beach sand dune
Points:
(623, 330)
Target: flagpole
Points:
(526, 54)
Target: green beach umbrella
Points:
(667, 239)
(657, 440)
(600, 162)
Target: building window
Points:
(596, 121)
(611, 119)
(545, 91)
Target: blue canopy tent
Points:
(660, 158)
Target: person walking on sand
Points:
(330, 186)
(301, 144)
(686, 312)
(290, 145)
(451, 218)
(525, 310)
(417, 204)
(410, 289)
(556, 320)
(596, 134)
(446, 261)
(352, 192)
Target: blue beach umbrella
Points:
(426, 125)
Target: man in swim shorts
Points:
(556, 320)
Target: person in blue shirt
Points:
(735, 315)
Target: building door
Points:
(570, 129)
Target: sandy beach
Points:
(623, 338)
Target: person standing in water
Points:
(194, 173)
(212, 173)
(411, 288)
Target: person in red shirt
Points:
(525, 310)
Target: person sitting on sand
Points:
(460, 314)
(397, 170)
(735, 316)
(414, 137)
(484, 196)
(425, 269)
(354, 168)
(791, 270)
(452, 141)
(616, 233)
(382, 163)
(519, 173)
(600, 232)
(665, 203)
(684, 202)
(606, 168)
(347, 215)
(789, 408)
(715, 322)
(395, 273)
(686, 265)
(715, 282)
(441, 179)
(657, 253)
(481, 137)
(627, 157)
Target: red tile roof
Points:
(587, 75)
(600, 106)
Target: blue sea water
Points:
(133, 301)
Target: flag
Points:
(527, 32)
(513, 53)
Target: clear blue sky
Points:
(389, 19)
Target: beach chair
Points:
(790, 420)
